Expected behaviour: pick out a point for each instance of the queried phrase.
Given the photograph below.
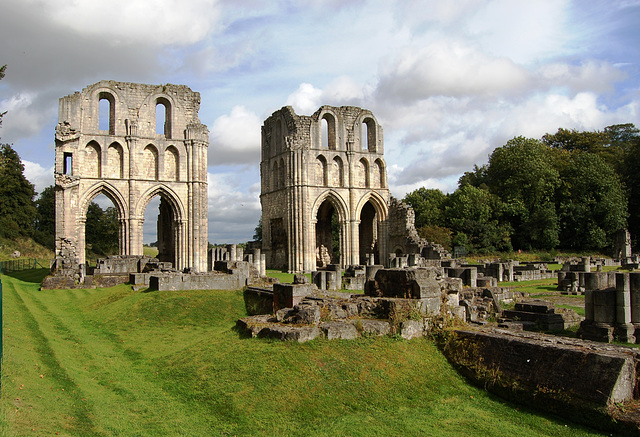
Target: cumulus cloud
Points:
(234, 210)
(165, 21)
(306, 99)
(38, 175)
(235, 138)
(448, 68)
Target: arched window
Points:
(368, 135)
(380, 173)
(149, 169)
(274, 176)
(337, 172)
(92, 160)
(282, 175)
(107, 113)
(328, 132)
(171, 164)
(278, 139)
(163, 117)
(115, 161)
(363, 174)
(322, 172)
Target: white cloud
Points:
(150, 21)
(448, 68)
(306, 99)
(38, 175)
(234, 210)
(235, 138)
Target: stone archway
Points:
(129, 162)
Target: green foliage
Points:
(522, 174)
(593, 205)
(257, 233)
(45, 224)
(3, 69)
(102, 230)
(473, 212)
(116, 362)
(437, 234)
(17, 209)
(428, 205)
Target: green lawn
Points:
(114, 362)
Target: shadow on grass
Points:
(34, 276)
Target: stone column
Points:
(624, 330)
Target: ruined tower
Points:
(107, 142)
(324, 189)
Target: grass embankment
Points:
(27, 248)
(110, 362)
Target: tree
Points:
(428, 205)
(473, 213)
(593, 205)
(102, 230)
(45, 224)
(631, 177)
(17, 209)
(257, 233)
(523, 176)
(2, 71)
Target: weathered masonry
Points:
(325, 198)
(108, 142)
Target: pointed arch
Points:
(362, 174)
(337, 172)
(92, 160)
(115, 161)
(322, 173)
(171, 164)
(381, 173)
(274, 176)
(149, 165)
(108, 190)
(167, 193)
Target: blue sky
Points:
(448, 81)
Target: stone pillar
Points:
(263, 265)
(588, 306)
(624, 330)
(586, 260)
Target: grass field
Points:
(114, 362)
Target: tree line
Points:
(569, 190)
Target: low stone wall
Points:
(196, 281)
(559, 375)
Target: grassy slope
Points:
(116, 362)
(27, 248)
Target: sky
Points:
(448, 81)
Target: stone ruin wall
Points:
(130, 163)
(300, 177)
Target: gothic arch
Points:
(108, 190)
(92, 160)
(341, 207)
(322, 173)
(368, 142)
(149, 164)
(115, 161)
(171, 164)
(378, 203)
(167, 193)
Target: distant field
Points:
(149, 251)
(114, 362)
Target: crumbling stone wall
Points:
(306, 178)
(131, 163)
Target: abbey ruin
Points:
(131, 160)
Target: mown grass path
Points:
(114, 362)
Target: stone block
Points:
(339, 330)
(410, 329)
(289, 295)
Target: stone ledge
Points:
(560, 375)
